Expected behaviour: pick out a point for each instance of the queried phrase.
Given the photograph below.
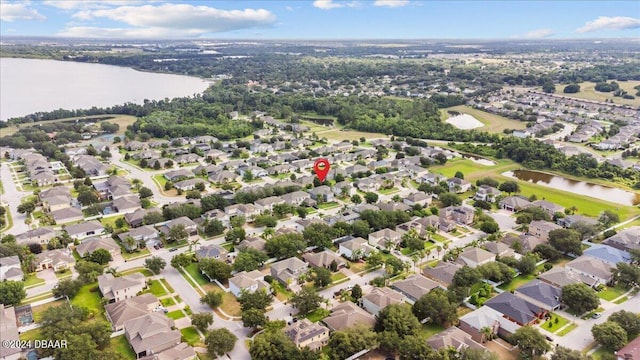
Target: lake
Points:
(611, 194)
(30, 85)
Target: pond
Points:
(611, 194)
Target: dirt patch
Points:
(498, 346)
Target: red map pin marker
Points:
(321, 168)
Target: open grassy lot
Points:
(193, 270)
(111, 221)
(89, 297)
(345, 134)
(429, 330)
(317, 314)
(122, 120)
(492, 123)
(473, 170)
(190, 335)
(137, 253)
(588, 92)
(552, 326)
(31, 335)
(337, 277)
(517, 282)
(120, 345)
(612, 293)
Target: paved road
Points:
(12, 197)
(580, 337)
(146, 176)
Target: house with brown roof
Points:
(324, 259)
(541, 229)
(380, 298)
(88, 246)
(247, 281)
(596, 269)
(347, 315)
(414, 287)
(9, 331)
(151, 333)
(443, 272)
(119, 312)
(474, 257)
(41, 235)
(385, 239)
(288, 271)
(454, 338)
(58, 260)
(120, 288)
(304, 333)
(459, 214)
(631, 351)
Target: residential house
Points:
(516, 309)
(222, 177)
(454, 338)
(542, 294)
(474, 257)
(385, 239)
(392, 206)
(178, 174)
(296, 197)
(58, 260)
(190, 226)
(113, 188)
(267, 204)
(443, 272)
(256, 172)
(212, 251)
(369, 184)
(56, 198)
(499, 249)
(523, 243)
(322, 193)
(246, 210)
(431, 179)
(11, 269)
(252, 243)
(458, 186)
(304, 333)
(417, 198)
(90, 165)
(151, 334)
(355, 249)
(344, 188)
(484, 317)
(324, 259)
(347, 315)
(631, 351)
(487, 193)
(85, 229)
(10, 334)
(541, 229)
(571, 220)
(145, 235)
(119, 312)
(67, 215)
(136, 218)
(126, 204)
(514, 203)
(608, 254)
(560, 277)
(596, 269)
(459, 214)
(549, 207)
(41, 235)
(379, 298)
(187, 158)
(247, 281)
(414, 287)
(88, 246)
(188, 184)
(216, 214)
(120, 288)
(288, 270)
(135, 145)
(627, 239)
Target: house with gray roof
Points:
(151, 334)
(355, 248)
(592, 267)
(119, 312)
(627, 239)
(41, 235)
(474, 322)
(548, 206)
(454, 338)
(347, 315)
(542, 294)
(304, 333)
(116, 289)
(474, 257)
(211, 252)
(67, 215)
(88, 246)
(379, 298)
(85, 229)
(608, 254)
(414, 287)
(58, 260)
(560, 277)
(324, 259)
(516, 309)
(247, 281)
(11, 269)
(443, 272)
(288, 271)
(541, 229)
(9, 331)
(146, 234)
(136, 218)
(514, 203)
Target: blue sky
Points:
(322, 19)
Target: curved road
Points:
(12, 197)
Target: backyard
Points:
(611, 293)
(517, 282)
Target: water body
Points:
(611, 194)
(30, 85)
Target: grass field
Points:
(317, 315)
(344, 134)
(32, 280)
(588, 92)
(122, 120)
(143, 271)
(190, 335)
(611, 293)
(175, 315)
(120, 345)
(88, 298)
(492, 123)
(156, 288)
(567, 330)
(551, 325)
(166, 302)
(517, 282)
(621, 300)
(38, 310)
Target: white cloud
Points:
(610, 23)
(169, 20)
(18, 11)
(327, 4)
(391, 3)
(537, 34)
(288, 8)
(89, 4)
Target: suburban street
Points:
(12, 197)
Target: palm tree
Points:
(439, 249)
(113, 271)
(130, 243)
(268, 233)
(194, 243)
(487, 333)
(415, 258)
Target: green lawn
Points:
(337, 277)
(32, 280)
(111, 221)
(492, 123)
(143, 271)
(166, 302)
(166, 284)
(175, 315)
(160, 180)
(38, 310)
(621, 300)
(120, 345)
(517, 282)
(612, 293)
(281, 293)
(439, 238)
(90, 298)
(597, 355)
(190, 335)
(551, 325)
(389, 191)
(137, 253)
(156, 289)
(317, 315)
(31, 335)
(567, 330)
(429, 330)
(193, 270)
(328, 205)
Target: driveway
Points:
(505, 221)
(12, 197)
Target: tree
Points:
(628, 320)
(202, 320)
(319, 234)
(215, 269)
(322, 277)
(259, 299)
(220, 341)
(563, 353)
(509, 187)
(212, 298)
(87, 197)
(356, 199)
(214, 227)
(100, 256)
(88, 271)
(356, 293)
(566, 241)
(12, 292)
(237, 221)
(153, 217)
(347, 342)
(526, 265)
(394, 323)
(285, 246)
(608, 218)
(178, 233)
(466, 276)
(370, 197)
(273, 345)
(449, 199)
(580, 297)
(180, 261)
(412, 241)
(145, 192)
(437, 307)
(626, 275)
(547, 251)
(235, 235)
(548, 87)
(489, 226)
(469, 353)
(610, 335)
(253, 318)
(571, 89)
(374, 260)
(26, 208)
(530, 341)
(414, 347)
(249, 259)
(306, 300)
(155, 264)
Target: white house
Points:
(247, 281)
